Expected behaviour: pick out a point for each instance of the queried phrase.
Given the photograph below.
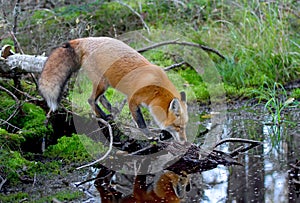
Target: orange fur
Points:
(169, 188)
(110, 62)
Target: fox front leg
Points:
(139, 119)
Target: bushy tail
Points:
(61, 63)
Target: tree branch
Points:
(23, 63)
(137, 14)
(176, 41)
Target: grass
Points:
(276, 100)
(260, 40)
(64, 195)
(256, 39)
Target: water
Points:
(264, 176)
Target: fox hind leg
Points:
(104, 101)
(98, 95)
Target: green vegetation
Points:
(65, 195)
(276, 102)
(259, 39)
(13, 165)
(76, 149)
(16, 197)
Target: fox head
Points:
(174, 118)
(170, 181)
(177, 118)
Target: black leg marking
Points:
(105, 103)
(99, 111)
(140, 119)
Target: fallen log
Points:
(161, 153)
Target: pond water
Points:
(264, 176)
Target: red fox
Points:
(169, 188)
(110, 62)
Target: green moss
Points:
(15, 197)
(29, 118)
(14, 165)
(65, 196)
(10, 140)
(78, 149)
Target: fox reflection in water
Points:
(169, 187)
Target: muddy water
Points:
(264, 175)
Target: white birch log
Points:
(23, 62)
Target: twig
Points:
(26, 94)
(238, 140)
(17, 46)
(240, 149)
(86, 181)
(18, 103)
(2, 122)
(54, 200)
(16, 13)
(136, 13)
(10, 93)
(3, 181)
(174, 66)
(176, 41)
(110, 145)
(141, 50)
(24, 200)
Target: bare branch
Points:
(176, 41)
(110, 145)
(174, 66)
(136, 13)
(16, 13)
(18, 104)
(3, 181)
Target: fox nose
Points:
(183, 137)
(180, 136)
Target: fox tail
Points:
(61, 63)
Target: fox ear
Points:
(183, 96)
(175, 107)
